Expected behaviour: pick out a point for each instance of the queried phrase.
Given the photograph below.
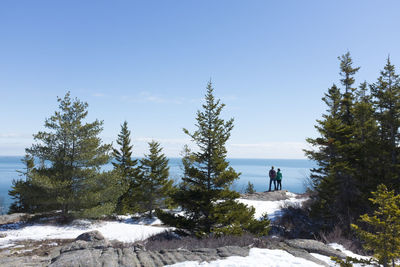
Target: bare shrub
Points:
(337, 235)
(170, 240)
(295, 222)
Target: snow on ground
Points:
(112, 230)
(348, 252)
(257, 257)
(269, 257)
(272, 208)
(345, 251)
(135, 219)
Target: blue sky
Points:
(148, 62)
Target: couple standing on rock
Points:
(276, 178)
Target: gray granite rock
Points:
(267, 196)
(13, 218)
(313, 246)
(91, 236)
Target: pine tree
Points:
(386, 93)
(125, 165)
(204, 195)
(383, 235)
(155, 185)
(71, 155)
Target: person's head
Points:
(272, 167)
(279, 170)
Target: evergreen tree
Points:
(347, 71)
(71, 155)
(156, 187)
(383, 235)
(335, 179)
(204, 195)
(386, 93)
(366, 147)
(22, 191)
(250, 188)
(328, 156)
(125, 165)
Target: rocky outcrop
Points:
(268, 196)
(13, 218)
(99, 253)
(91, 236)
(313, 246)
(92, 249)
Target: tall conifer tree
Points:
(335, 179)
(125, 165)
(386, 93)
(366, 147)
(204, 195)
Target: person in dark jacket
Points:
(279, 179)
(272, 178)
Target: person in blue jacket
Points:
(279, 179)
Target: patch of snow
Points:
(124, 232)
(324, 258)
(142, 221)
(257, 257)
(272, 208)
(345, 251)
(348, 252)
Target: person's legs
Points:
(279, 184)
(275, 184)
(270, 182)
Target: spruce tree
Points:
(125, 165)
(382, 234)
(335, 179)
(204, 195)
(71, 154)
(366, 147)
(155, 185)
(386, 93)
(328, 156)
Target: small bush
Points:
(249, 189)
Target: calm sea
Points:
(295, 172)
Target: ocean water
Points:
(295, 173)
